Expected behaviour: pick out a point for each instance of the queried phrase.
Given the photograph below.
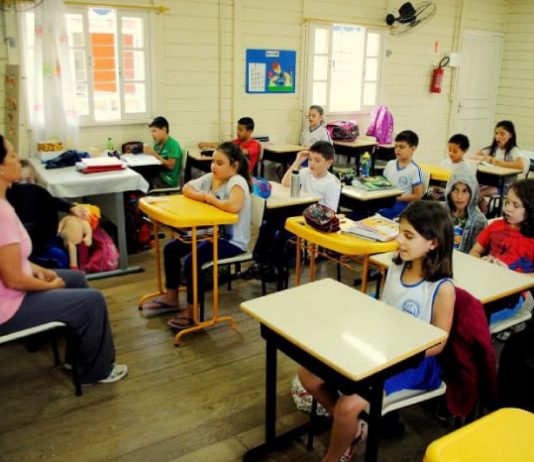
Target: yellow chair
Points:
(506, 435)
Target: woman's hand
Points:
(43, 274)
(57, 283)
(80, 211)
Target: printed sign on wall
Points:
(271, 71)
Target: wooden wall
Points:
(199, 66)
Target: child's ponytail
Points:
(235, 154)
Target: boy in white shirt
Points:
(315, 178)
(404, 173)
(458, 146)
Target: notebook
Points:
(100, 164)
(372, 183)
(377, 228)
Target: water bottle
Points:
(295, 183)
(366, 164)
(110, 145)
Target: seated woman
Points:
(31, 295)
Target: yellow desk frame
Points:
(342, 243)
(178, 211)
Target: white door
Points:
(477, 83)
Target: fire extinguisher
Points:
(437, 76)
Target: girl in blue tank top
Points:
(419, 284)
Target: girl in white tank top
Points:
(419, 284)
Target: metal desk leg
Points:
(270, 394)
(375, 413)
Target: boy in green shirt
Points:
(167, 150)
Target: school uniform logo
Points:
(411, 307)
(403, 181)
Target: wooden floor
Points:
(202, 401)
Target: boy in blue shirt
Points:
(404, 173)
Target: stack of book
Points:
(377, 228)
(100, 164)
(372, 183)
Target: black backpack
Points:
(516, 371)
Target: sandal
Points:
(157, 306)
(358, 444)
(178, 323)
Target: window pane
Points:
(320, 67)
(347, 60)
(371, 69)
(373, 44)
(75, 30)
(82, 99)
(133, 65)
(319, 93)
(77, 60)
(102, 27)
(369, 94)
(132, 32)
(134, 97)
(321, 41)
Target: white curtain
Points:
(52, 96)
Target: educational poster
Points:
(271, 71)
(12, 104)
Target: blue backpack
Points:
(261, 187)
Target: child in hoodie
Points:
(461, 194)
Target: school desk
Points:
(341, 243)
(105, 189)
(354, 344)
(196, 159)
(281, 197)
(178, 211)
(368, 201)
(282, 153)
(488, 282)
(505, 435)
(437, 173)
(356, 148)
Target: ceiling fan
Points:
(410, 17)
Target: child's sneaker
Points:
(118, 372)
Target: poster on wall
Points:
(270, 71)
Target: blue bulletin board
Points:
(270, 71)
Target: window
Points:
(344, 67)
(108, 53)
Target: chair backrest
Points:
(257, 207)
(426, 181)
(529, 157)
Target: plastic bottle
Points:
(365, 165)
(110, 144)
(295, 183)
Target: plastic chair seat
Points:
(242, 257)
(523, 315)
(405, 398)
(30, 331)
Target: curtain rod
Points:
(157, 9)
(348, 23)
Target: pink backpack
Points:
(343, 130)
(101, 256)
(381, 125)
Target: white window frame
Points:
(364, 109)
(126, 118)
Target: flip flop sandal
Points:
(357, 446)
(157, 306)
(178, 323)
